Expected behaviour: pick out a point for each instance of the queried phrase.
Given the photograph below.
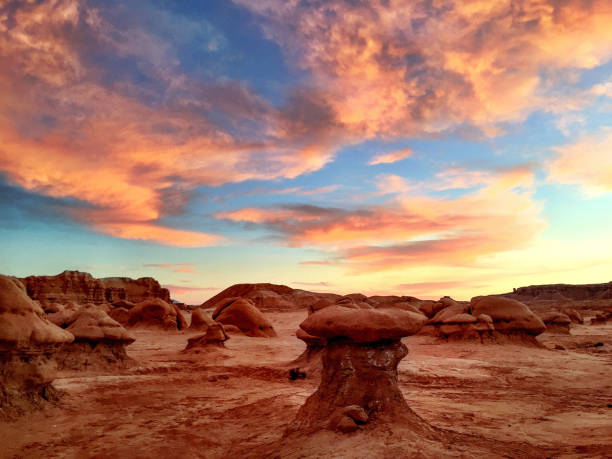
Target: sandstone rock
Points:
(573, 314)
(430, 308)
(83, 288)
(99, 343)
(270, 297)
(243, 314)
(447, 312)
(563, 291)
(601, 318)
(354, 302)
(510, 317)
(556, 322)
(362, 325)
(232, 329)
(121, 315)
(156, 313)
(215, 336)
(28, 343)
(200, 320)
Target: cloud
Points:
(131, 134)
(313, 284)
(401, 68)
(413, 230)
(393, 157)
(586, 163)
(315, 263)
(187, 268)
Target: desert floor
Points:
(507, 400)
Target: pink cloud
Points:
(393, 157)
(187, 268)
(586, 162)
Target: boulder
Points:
(99, 343)
(200, 320)
(556, 322)
(156, 313)
(121, 315)
(510, 317)
(574, 315)
(28, 345)
(243, 314)
(215, 336)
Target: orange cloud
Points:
(393, 157)
(64, 132)
(415, 230)
(398, 68)
(586, 162)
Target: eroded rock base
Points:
(93, 355)
(358, 389)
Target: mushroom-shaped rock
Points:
(510, 317)
(243, 314)
(430, 308)
(99, 343)
(359, 372)
(28, 343)
(215, 336)
(156, 313)
(363, 325)
(574, 315)
(121, 315)
(200, 320)
(556, 322)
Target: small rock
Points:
(346, 425)
(356, 413)
(559, 347)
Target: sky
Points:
(424, 148)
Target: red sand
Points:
(236, 402)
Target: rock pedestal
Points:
(359, 379)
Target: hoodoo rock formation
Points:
(359, 375)
(99, 343)
(243, 314)
(556, 322)
(270, 297)
(215, 336)
(512, 319)
(80, 287)
(28, 344)
(200, 320)
(156, 313)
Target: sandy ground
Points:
(503, 401)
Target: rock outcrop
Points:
(563, 291)
(215, 336)
(556, 322)
(200, 320)
(243, 314)
(99, 343)
(81, 288)
(270, 297)
(28, 344)
(359, 374)
(156, 313)
(512, 319)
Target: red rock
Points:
(244, 315)
(270, 297)
(83, 288)
(573, 314)
(215, 336)
(447, 312)
(28, 345)
(200, 320)
(156, 313)
(509, 316)
(362, 325)
(99, 342)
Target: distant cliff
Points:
(563, 291)
(81, 287)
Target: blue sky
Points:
(381, 147)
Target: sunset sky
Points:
(425, 148)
